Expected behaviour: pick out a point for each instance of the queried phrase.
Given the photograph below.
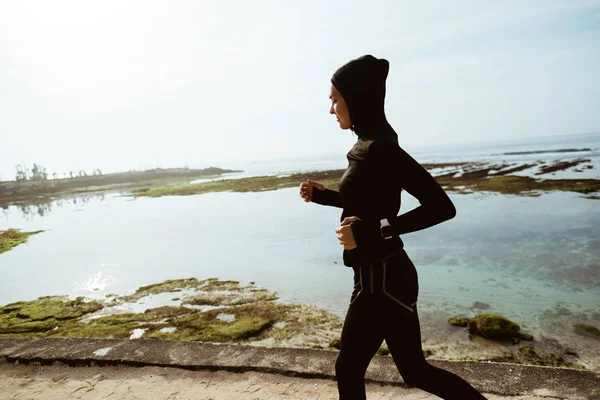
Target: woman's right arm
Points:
(327, 197)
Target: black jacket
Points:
(378, 169)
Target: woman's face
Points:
(339, 108)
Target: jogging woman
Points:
(383, 304)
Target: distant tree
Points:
(21, 173)
(34, 172)
(38, 173)
(71, 173)
(55, 175)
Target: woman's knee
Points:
(341, 366)
(345, 367)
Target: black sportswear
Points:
(383, 304)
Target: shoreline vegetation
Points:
(12, 192)
(212, 310)
(462, 178)
(11, 238)
(459, 177)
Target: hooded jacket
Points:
(378, 170)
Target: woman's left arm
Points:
(435, 205)
(392, 165)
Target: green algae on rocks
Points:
(211, 291)
(252, 184)
(464, 322)
(463, 178)
(528, 355)
(41, 316)
(13, 237)
(242, 314)
(491, 326)
(587, 330)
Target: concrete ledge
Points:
(498, 378)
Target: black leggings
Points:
(368, 322)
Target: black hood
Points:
(362, 84)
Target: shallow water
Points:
(523, 256)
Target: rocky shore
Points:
(216, 311)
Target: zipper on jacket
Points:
(371, 272)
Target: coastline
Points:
(14, 192)
(460, 178)
(511, 178)
(214, 311)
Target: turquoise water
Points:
(521, 255)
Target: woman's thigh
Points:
(402, 334)
(362, 333)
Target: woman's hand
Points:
(345, 234)
(306, 189)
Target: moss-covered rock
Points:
(56, 308)
(211, 291)
(13, 237)
(168, 286)
(335, 343)
(493, 326)
(459, 321)
(230, 299)
(240, 329)
(28, 327)
(587, 330)
(528, 355)
(254, 316)
(33, 318)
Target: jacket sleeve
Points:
(327, 197)
(390, 162)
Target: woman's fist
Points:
(345, 234)
(306, 189)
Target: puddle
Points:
(137, 333)
(280, 324)
(264, 342)
(226, 317)
(102, 352)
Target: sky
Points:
(121, 85)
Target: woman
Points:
(383, 304)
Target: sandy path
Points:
(128, 383)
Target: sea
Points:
(535, 260)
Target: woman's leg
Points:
(361, 338)
(402, 333)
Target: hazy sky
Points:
(119, 84)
